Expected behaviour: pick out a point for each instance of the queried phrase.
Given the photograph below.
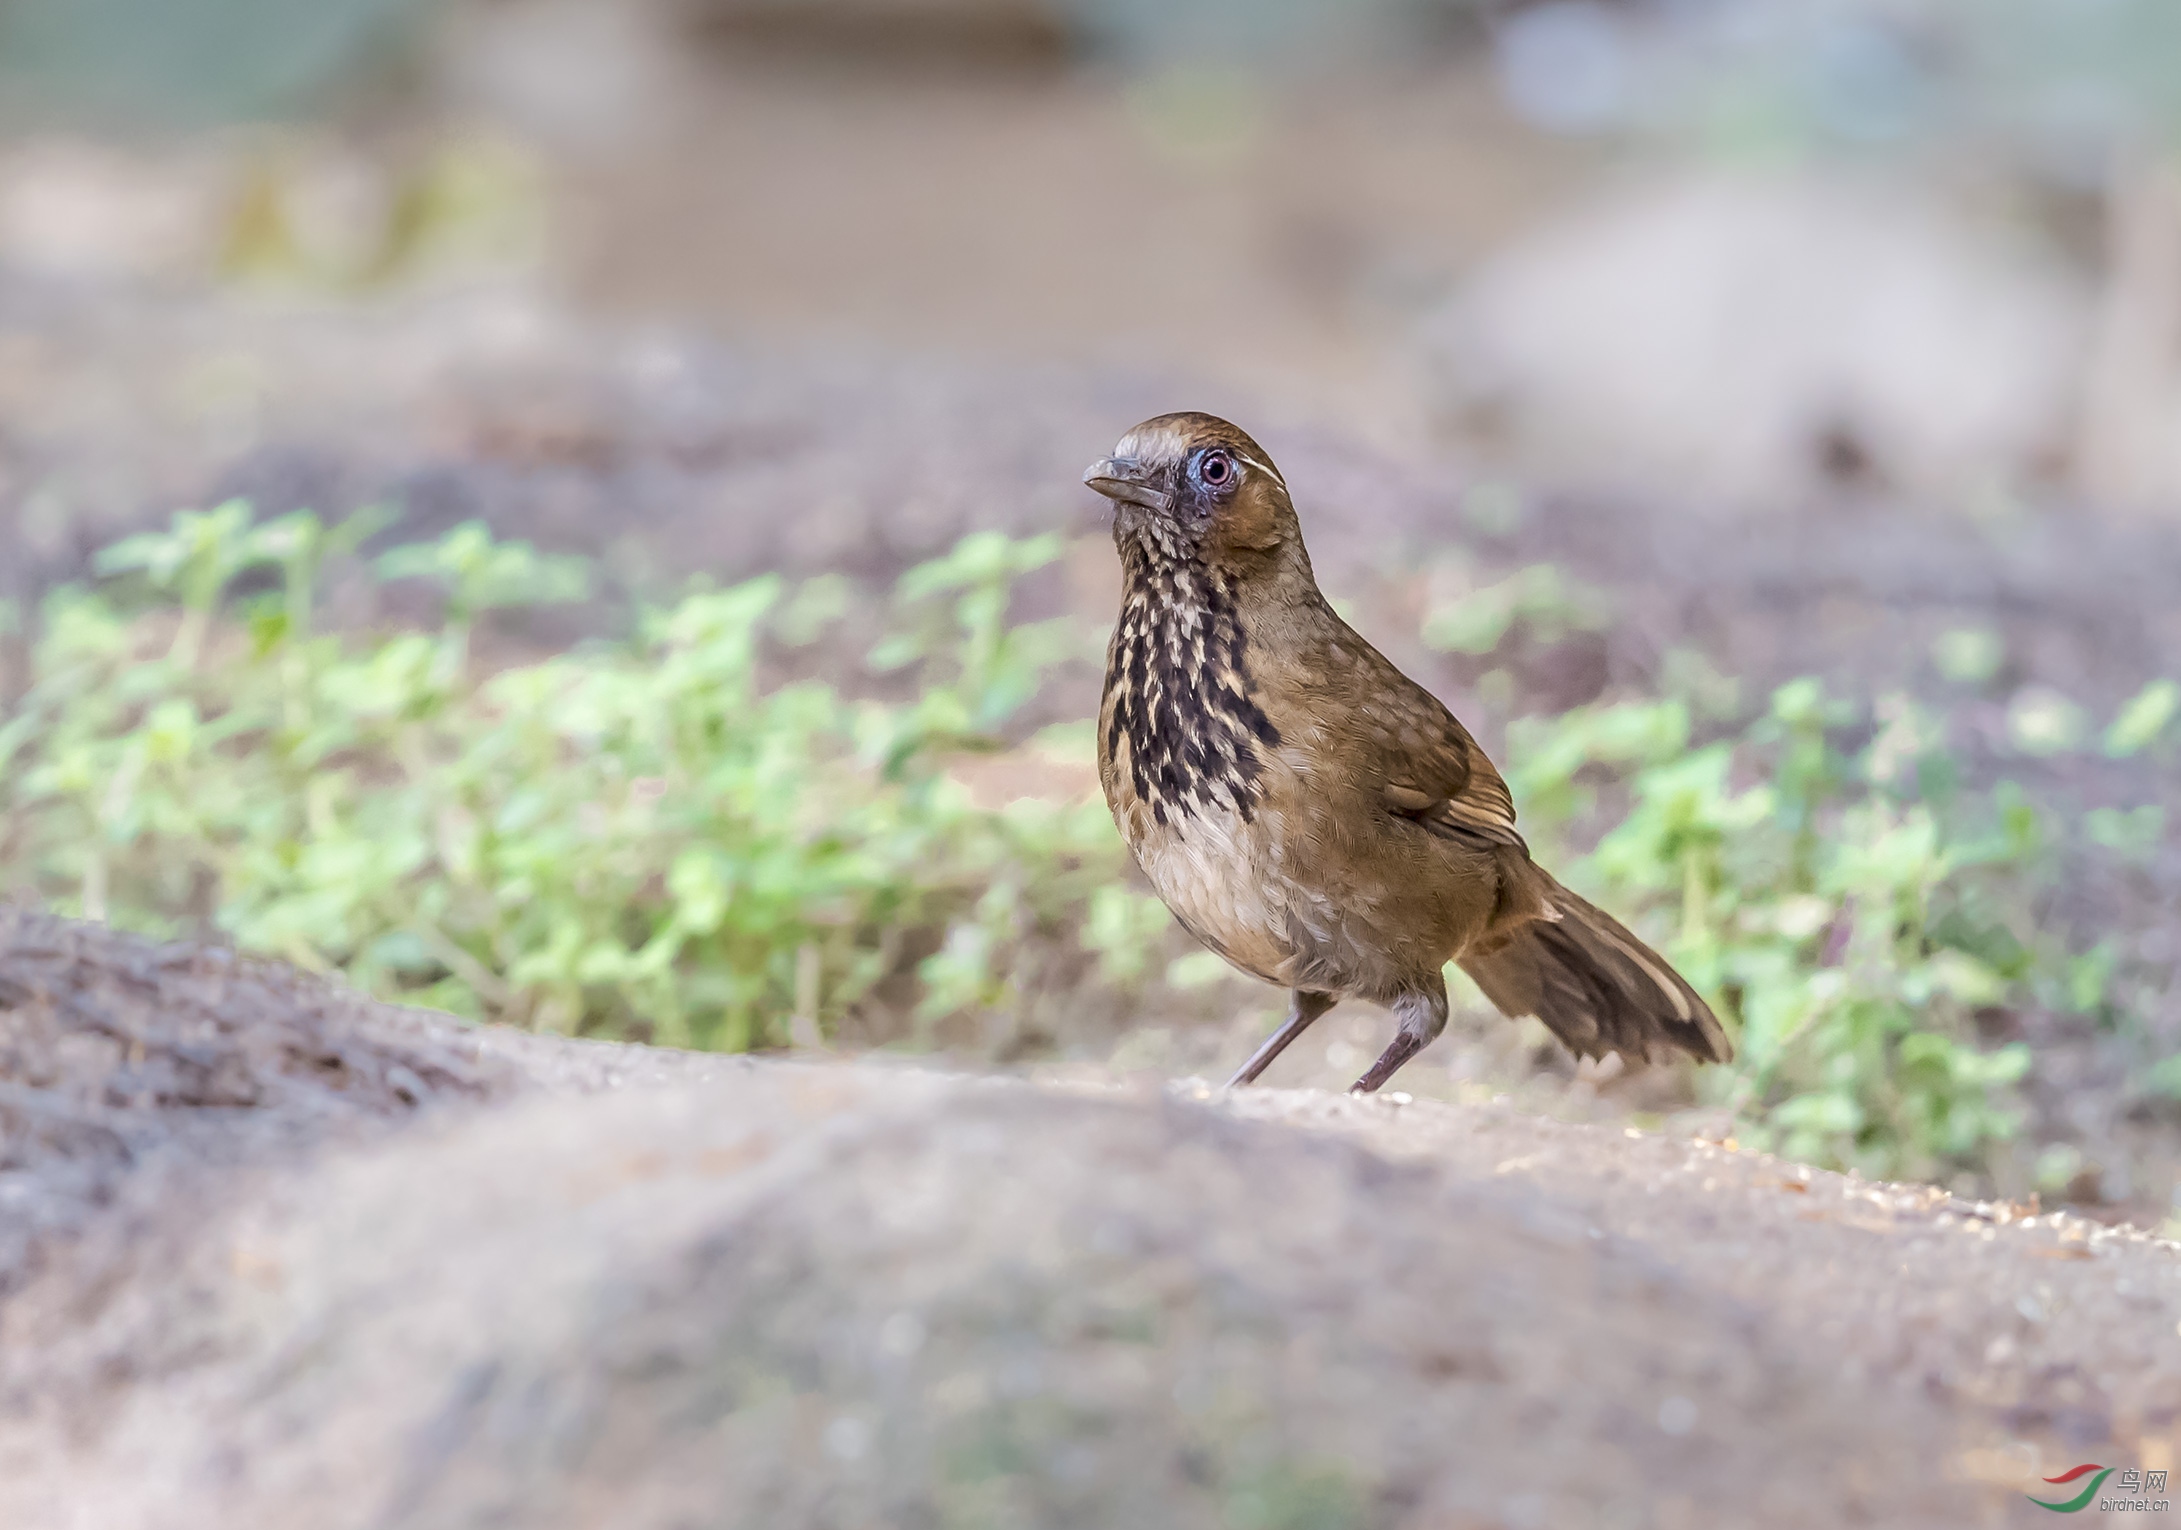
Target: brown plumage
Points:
(1311, 813)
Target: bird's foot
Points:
(1404, 1046)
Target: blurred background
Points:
(1728, 244)
(1689, 346)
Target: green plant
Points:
(639, 839)
(478, 574)
(1538, 598)
(659, 837)
(1850, 911)
(2144, 720)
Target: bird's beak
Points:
(1127, 480)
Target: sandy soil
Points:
(356, 1266)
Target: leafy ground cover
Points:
(711, 832)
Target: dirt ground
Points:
(289, 1257)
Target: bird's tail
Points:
(1594, 984)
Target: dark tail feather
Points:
(1595, 985)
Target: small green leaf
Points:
(1969, 655)
(2042, 721)
(2134, 832)
(2143, 720)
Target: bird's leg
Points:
(1422, 1016)
(1303, 1007)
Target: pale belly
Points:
(1212, 876)
(1247, 893)
(1254, 895)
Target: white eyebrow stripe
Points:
(1271, 472)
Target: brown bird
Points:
(1311, 813)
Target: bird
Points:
(1309, 812)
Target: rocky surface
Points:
(362, 1267)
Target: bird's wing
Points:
(1435, 773)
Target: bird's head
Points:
(1193, 488)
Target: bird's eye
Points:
(1217, 468)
